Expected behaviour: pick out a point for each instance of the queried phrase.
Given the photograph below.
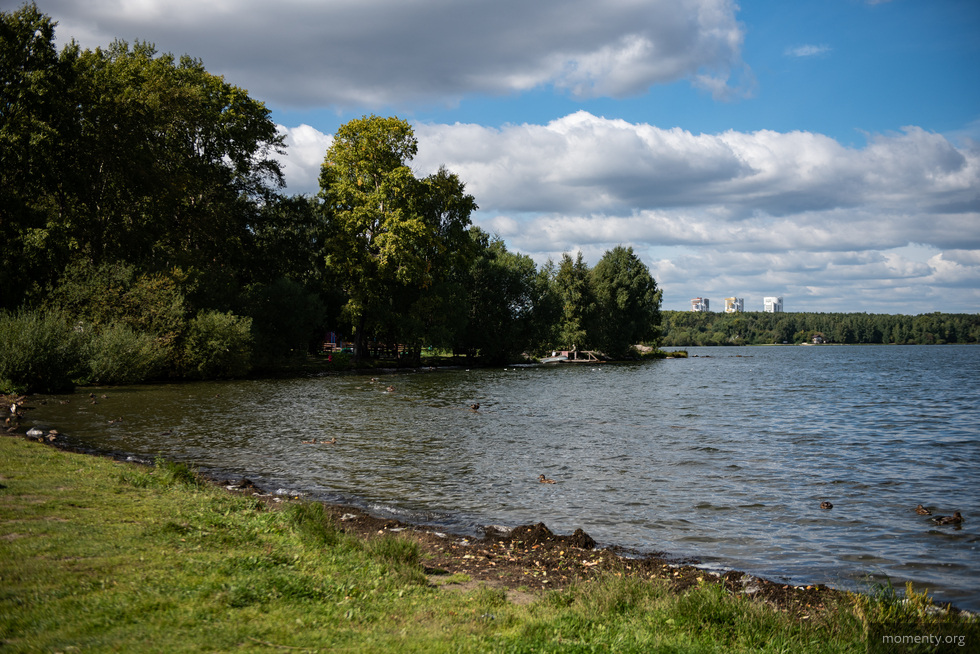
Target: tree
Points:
(366, 186)
(577, 303)
(391, 235)
(119, 155)
(627, 301)
(168, 164)
(438, 307)
(33, 82)
(502, 293)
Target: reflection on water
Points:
(724, 456)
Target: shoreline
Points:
(525, 560)
(528, 557)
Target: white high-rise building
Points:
(699, 304)
(773, 305)
(734, 305)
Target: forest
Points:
(687, 328)
(145, 234)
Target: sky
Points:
(824, 151)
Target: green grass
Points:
(100, 556)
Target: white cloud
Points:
(808, 50)
(754, 210)
(306, 148)
(374, 53)
(584, 164)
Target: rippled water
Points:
(724, 456)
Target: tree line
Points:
(144, 234)
(687, 328)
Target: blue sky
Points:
(827, 151)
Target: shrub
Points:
(118, 355)
(39, 352)
(218, 345)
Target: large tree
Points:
(169, 164)
(503, 289)
(121, 155)
(577, 302)
(33, 85)
(627, 300)
(392, 236)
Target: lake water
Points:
(724, 456)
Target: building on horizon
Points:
(699, 304)
(773, 305)
(734, 305)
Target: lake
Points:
(724, 457)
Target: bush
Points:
(218, 345)
(118, 355)
(39, 352)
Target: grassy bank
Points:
(97, 555)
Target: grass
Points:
(98, 556)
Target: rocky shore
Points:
(528, 559)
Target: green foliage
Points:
(115, 354)
(138, 190)
(115, 293)
(123, 155)
(392, 236)
(627, 302)
(502, 287)
(578, 305)
(33, 80)
(40, 352)
(218, 345)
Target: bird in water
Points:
(921, 510)
(475, 407)
(826, 505)
(545, 480)
(312, 442)
(332, 441)
(955, 519)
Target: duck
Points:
(390, 389)
(475, 407)
(332, 441)
(545, 480)
(954, 519)
(312, 442)
(921, 510)
(826, 505)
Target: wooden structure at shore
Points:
(574, 356)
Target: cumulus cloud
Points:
(305, 149)
(585, 164)
(379, 52)
(796, 207)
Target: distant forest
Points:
(687, 328)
